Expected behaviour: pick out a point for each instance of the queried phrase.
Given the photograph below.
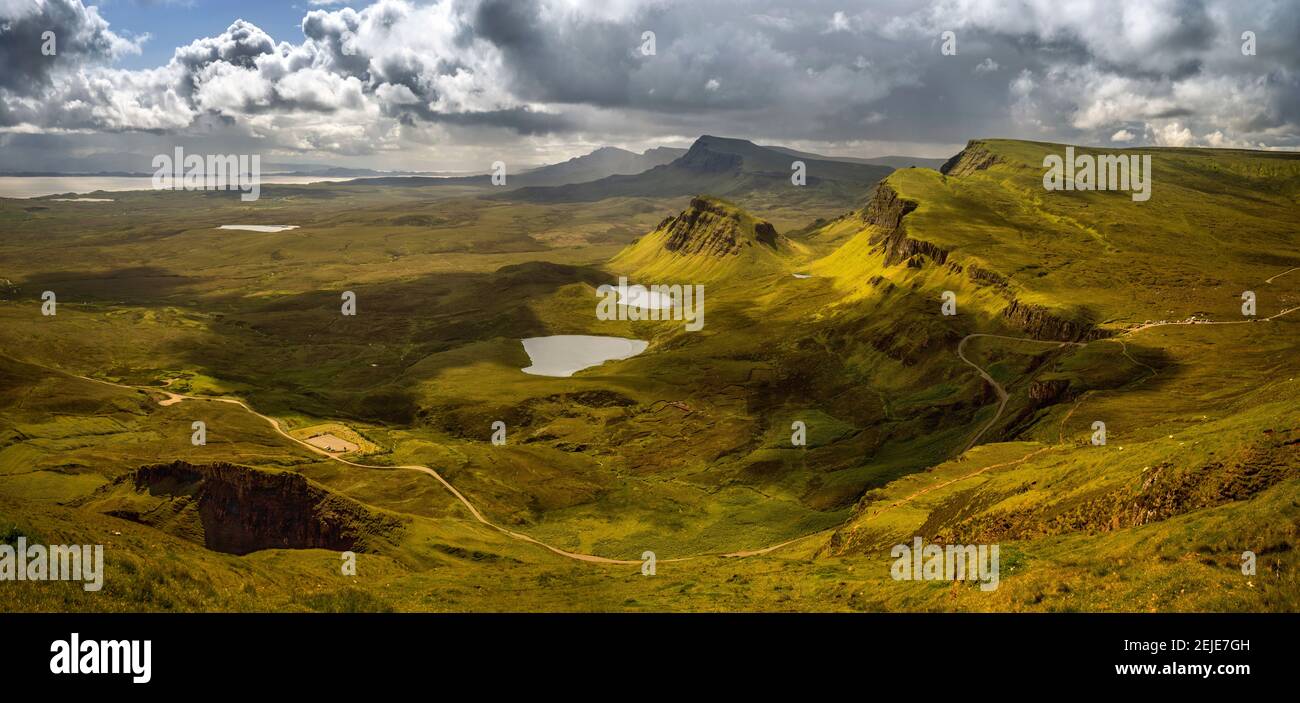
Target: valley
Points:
(823, 308)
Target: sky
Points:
(454, 85)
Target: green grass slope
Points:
(1218, 223)
(685, 449)
(710, 239)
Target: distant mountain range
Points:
(601, 163)
(718, 166)
(894, 162)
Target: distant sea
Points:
(37, 186)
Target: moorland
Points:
(824, 307)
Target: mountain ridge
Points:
(738, 169)
(599, 163)
(711, 238)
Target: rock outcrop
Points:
(1166, 490)
(1040, 323)
(713, 228)
(985, 277)
(886, 211)
(1049, 392)
(975, 157)
(237, 509)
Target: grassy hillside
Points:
(966, 428)
(710, 239)
(1218, 223)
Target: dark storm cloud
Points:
(398, 74)
(837, 71)
(519, 120)
(573, 60)
(332, 33)
(79, 32)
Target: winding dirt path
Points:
(171, 398)
(1003, 396)
(1274, 278)
(275, 424)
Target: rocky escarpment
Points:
(237, 509)
(1162, 492)
(1049, 392)
(886, 211)
(1158, 493)
(1040, 323)
(1036, 320)
(975, 157)
(713, 228)
(985, 277)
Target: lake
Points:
(645, 299)
(38, 186)
(260, 228)
(565, 354)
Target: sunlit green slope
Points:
(1218, 222)
(684, 449)
(710, 239)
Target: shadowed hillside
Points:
(238, 510)
(739, 170)
(1071, 308)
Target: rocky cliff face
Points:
(1049, 392)
(985, 277)
(1040, 323)
(1165, 491)
(712, 228)
(975, 157)
(237, 509)
(886, 211)
(1162, 492)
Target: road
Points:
(997, 387)
(171, 398)
(1003, 395)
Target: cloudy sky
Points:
(458, 84)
